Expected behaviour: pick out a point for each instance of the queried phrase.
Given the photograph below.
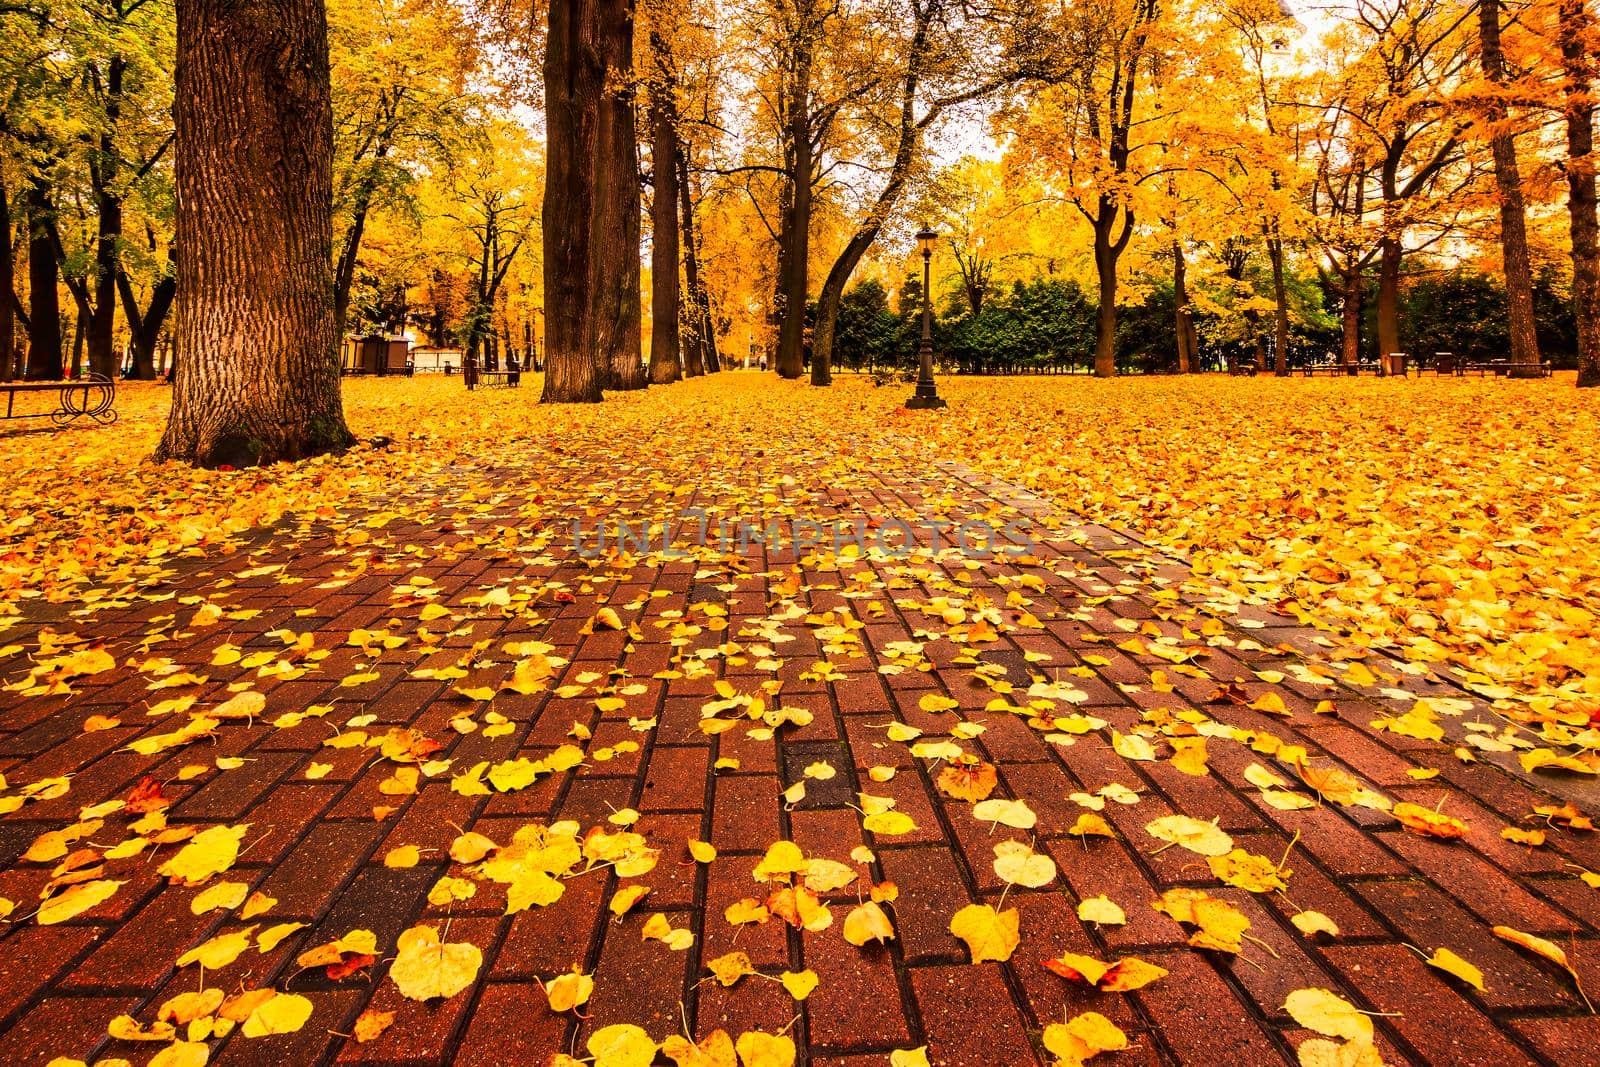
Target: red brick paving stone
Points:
(1432, 1017)
(420, 1029)
(511, 1023)
(637, 981)
(751, 1004)
(1483, 830)
(1203, 797)
(1311, 890)
(675, 779)
(144, 949)
(672, 883)
(31, 957)
(832, 833)
(911, 797)
(1430, 920)
(1200, 1018)
(430, 821)
(64, 1026)
(1571, 1039)
(1097, 866)
(931, 891)
(1575, 896)
(857, 1000)
(332, 1013)
(1269, 974)
(729, 881)
(1485, 889)
(969, 1017)
(1050, 926)
(1372, 761)
(1342, 848)
(546, 941)
(282, 818)
(744, 812)
(591, 801)
(321, 862)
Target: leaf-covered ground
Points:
(1275, 746)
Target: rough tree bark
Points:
(1576, 27)
(101, 328)
(615, 265)
(796, 229)
(8, 289)
(44, 300)
(1508, 184)
(574, 78)
(144, 328)
(1389, 255)
(664, 288)
(1183, 325)
(1280, 311)
(258, 377)
(1350, 316)
(697, 342)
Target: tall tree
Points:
(665, 290)
(574, 77)
(1508, 184)
(936, 64)
(258, 367)
(45, 356)
(804, 23)
(1576, 35)
(614, 280)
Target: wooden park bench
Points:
(92, 396)
(888, 377)
(1311, 370)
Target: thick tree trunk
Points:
(696, 342)
(615, 265)
(1389, 253)
(796, 232)
(1105, 334)
(108, 209)
(1280, 297)
(44, 297)
(665, 291)
(1508, 183)
(1584, 225)
(1181, 325)
(1350, 316)
(8, 290)
(258, 377)
(574, 78)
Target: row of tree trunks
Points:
(258, 367)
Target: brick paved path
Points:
(315, 845)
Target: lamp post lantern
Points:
(926, 394)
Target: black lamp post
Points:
(926, 394)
